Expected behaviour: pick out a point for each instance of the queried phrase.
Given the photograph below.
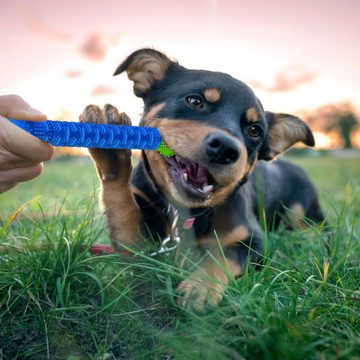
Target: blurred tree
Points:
(340, 117)
(346, 124)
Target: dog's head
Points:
(213, 122)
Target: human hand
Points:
(21, 154)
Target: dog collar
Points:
(186, 223)
(169, 243)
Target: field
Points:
(59, 302)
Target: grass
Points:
(62, 303)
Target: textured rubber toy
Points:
(104, 136)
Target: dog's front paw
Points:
(199, 291)
(110, 163)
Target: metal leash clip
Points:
(171, 242)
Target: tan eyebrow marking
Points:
(152, 114)
(212, 95)
(252, 115)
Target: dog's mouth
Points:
(193, 178)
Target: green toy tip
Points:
(164, 150)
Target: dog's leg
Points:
(206, 285)
(114, 169)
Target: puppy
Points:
(218, 182)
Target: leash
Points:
(169, 244)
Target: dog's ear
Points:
(144, 67)
(284, 131)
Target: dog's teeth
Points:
(207, 188)
(185, 176)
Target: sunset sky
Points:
(297, 55)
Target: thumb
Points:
(20, 143)
(14, 106)
(29, 114)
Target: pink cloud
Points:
(287, 80)
(74, 73)
(100, 90)
(39, 26)
(35, 23)
(94, 47)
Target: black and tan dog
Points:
(221, 136)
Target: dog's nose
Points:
(221, 149)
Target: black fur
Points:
(273, 186)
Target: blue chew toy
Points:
(105, 136)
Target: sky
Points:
(297, 55)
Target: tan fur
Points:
(152, 114)
(146, 69)
(93, 114)
(108, 162)
(252, 166)
(284, 132)
(212, 95)
(207, 284)
(114, 168)
(123, 215)
(135, 190)
(237, 235)
(295, 215)
(228, 238)
(188, 144)
(252, 115)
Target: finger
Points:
(19, 142)
(6, 187)
(12, 161)
(14, 106)
(21, 174)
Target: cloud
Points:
(94, 47)
(35, 23)
(100, 90)
(74, 73)
(287, 80)
(39, 26)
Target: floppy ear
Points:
(284, 131)
(144, 67)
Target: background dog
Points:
(218, 181)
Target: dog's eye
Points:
(195, 101)
(254, 131)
